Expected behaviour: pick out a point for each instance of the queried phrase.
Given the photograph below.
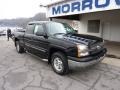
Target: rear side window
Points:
(30, 29)
(38, 28)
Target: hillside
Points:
(22, 22)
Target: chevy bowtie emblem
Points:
(98, 47)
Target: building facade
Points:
(94, 17)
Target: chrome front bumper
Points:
(85, 64)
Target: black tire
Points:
(64, 63)
(19, 48)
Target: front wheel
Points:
(60, 63)
(19, 48)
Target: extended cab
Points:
(60, 44)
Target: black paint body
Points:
(44, 46)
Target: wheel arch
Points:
(53, 50)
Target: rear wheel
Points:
(19, 48)
(60, 63)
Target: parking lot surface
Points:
(26, 72)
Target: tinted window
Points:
(38, 28)
(30, 28)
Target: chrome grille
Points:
(96, 48)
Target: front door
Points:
(40, 42)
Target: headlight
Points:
(82, 50)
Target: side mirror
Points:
(76, 31)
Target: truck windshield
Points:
(59, 28)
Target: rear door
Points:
(40, 42)
(28, 38)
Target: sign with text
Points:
(82, 6)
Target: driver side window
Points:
(38, 28)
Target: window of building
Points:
(93, 26)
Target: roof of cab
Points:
(39, 22)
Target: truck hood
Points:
(80, 38)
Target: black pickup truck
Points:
(60, 44)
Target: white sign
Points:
(55, 1)
(82, 6)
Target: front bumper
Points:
(89, 60)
